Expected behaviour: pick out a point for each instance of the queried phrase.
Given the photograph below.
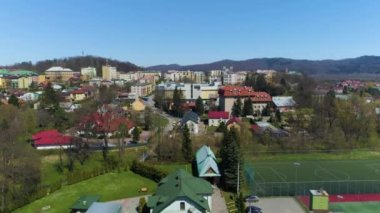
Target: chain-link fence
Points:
(302, 188)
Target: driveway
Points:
(218, 202)
(129, 205)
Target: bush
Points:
(148, 171)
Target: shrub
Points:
(148, 171)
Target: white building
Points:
(129, 76)
(88, 72)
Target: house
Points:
(79, 94)
(181, 192)
(261, 127)
(229, 94)
(138, 105)
(284, 103)
(69, 106)
(207, 166)
(84, 203)
(217, 117)
(108, 207)
(103, 123)
(51, 139)
(192, 120)
(233, 122)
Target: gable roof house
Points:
(262, 127)
(206, 163)
(84, 203)
(51, 139)
(216, 117)
(284, 103)
(181, 192)
(192, 120)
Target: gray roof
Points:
(206, 162)
(104, 207)
(283, 101)
(377, 110)
(190, 116)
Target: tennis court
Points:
(275, 178)
(355, 207)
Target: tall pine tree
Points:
(199, 107)
(187, 146)
(177, 108)
(247, 107)
(236, 108)
(14, 101)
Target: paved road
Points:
(218, 202)
(279, 204)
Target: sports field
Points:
(268, 178)
(355, 207)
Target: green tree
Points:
(230, 159)
(148, 118)
(14, 101)
(261, 83)
(142, 205)
(177, 103)
(199, 107)
(136, 134)
(247, 107)
(240, 203)
(236, 108)
(49, 98)
(266, 111)
(278, 115)
(187, 147)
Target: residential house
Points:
(207, 165)
(261, 127)
(84, 203)
(181, 192)
(284, 103)
(138, 105)
(260, 100)
(192, 121)
(79, 94)
(217, 117)
(51, 139)
(69, 106)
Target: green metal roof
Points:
(4, 72)
(23, 73)
(206, 162)
(180, 185)
(84, 202)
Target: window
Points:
(182, 206)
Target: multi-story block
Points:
(142, 89)
(109, 73)
(59, 74)
(88, 73)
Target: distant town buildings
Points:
(58, 73)
(109, 73)
(189, 91)
(88, 73)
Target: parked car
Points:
(252, 198)
(253, 209)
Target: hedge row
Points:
(148, 171)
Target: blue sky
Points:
(187, 32)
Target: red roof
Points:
(261, 97)
(50, 138)
(108, 122)
(218, 115)
(236, 91)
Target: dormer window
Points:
(182, 206)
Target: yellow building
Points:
(59, 74)
(3, 82)
(109, 73)
(78, 95)
(24, 82)
(138, 105)
(41, 79)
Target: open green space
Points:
(355, 207)
(159, 121)
(111, 186)
(50, 162)
(287, 174)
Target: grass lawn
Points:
(111, 186)
(49, 162)
(171, 167)
(159, 121)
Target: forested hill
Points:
(76, 63)
(363, 64)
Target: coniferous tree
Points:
(177, 108)
(266, 111)
(199, 107)
(236, 108)
(14, 101)
(247, 107)
(230, 159)
(187, 147)
(278, 115)
(261, 83)
(135, 134)
(49, 98)
(148, 118)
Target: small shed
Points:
(319, 201)
(84, 203)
